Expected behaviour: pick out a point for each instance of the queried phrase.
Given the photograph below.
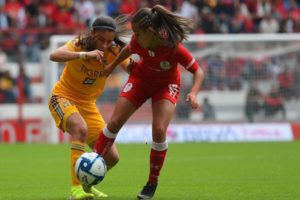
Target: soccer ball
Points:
(90, 168)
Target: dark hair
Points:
(117, 25)
(171, 28)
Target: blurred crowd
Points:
(26, 26)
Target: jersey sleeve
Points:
(71, 44)
(186, 59)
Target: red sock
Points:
(103, 144)
(157, 159)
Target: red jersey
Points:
(161, 65)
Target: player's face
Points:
(103, 39)
(144, 37)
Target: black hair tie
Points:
(111, 28)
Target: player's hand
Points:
(106, 71)
(129, 67)
(193, 100)
(95, 54)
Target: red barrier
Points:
(296, 130)
(26, 131)
(21, 131)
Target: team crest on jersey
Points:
(127, 87)
(165, 65)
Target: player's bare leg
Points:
(123, 110)
(162, 112)
(77, 128)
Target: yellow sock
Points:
(77, 148)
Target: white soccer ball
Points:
(90, 168)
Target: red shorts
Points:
(138, 91)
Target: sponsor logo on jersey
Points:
(165, 65)
(90, 72)
(127, 87)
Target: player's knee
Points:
(79, 132)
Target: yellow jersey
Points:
(80, 80)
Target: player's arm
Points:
(64, 54)
(127, 65)
(198, 77)
(124, 54)
(190, 64)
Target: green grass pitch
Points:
(204, 171)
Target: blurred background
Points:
(248, 49)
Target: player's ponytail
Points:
(170, 28)
(122, 30)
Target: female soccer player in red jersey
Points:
(157, 38)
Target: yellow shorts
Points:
(62, 108)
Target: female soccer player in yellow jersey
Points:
(73, 99)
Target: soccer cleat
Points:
(147, 191)
(77, 193)
(92, 190)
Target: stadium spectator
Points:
(233, 70)
(3, 19)
(7, 83)
(86, 11)
(286, 83)
(9, 43)
(274, 103)
(222, 23)
(128, 6)
(289, 24)
(157, 38)
(15, 12)
(189, 10)
(100, 8)
(254, 102)
(237, 22)
(3, 60)
(216, 72)
(208, 19)
(296, 86)
(249, 72)
(73, 99)
(49, 8)
(208, 110)
(30, 46)
(25, 82)
(112, 8)
(268, 24)
(64, 19)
